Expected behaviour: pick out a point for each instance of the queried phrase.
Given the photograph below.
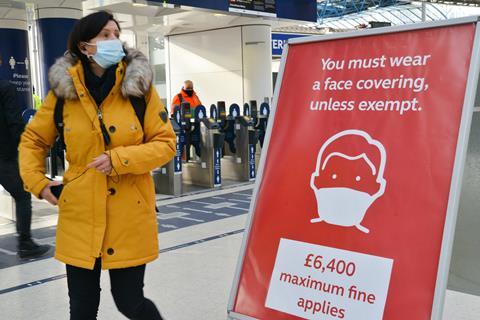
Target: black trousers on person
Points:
(12, 182)
(127, 290)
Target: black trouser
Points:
(11, 181)
(127, 290)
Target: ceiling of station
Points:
(334, 15)
(413, 12)
(397, 13)
(12, 10)
(170, 19)
(458, 3)
(53, 3)
(344, 15)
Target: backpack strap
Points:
(140, 106)
(58, 119)
(180, 97)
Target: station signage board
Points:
(259, 7)
(354, 208)
(301, 10)
(206, 4)
(15, 64)
(280, 40)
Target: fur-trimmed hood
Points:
(136, 82)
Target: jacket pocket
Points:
(141, 201)
(74, 180)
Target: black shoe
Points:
(28, 249)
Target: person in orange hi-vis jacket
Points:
(187, 94)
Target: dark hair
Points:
(87, 28)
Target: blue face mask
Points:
(109, 53)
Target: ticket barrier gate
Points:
(168, 179)
(238, 162)
(260, 121)
(203, 151)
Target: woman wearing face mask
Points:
(107, 214)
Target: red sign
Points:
(351, 207)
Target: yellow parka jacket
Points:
(112, 217)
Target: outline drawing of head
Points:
(343, 205)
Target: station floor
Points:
(200, 238)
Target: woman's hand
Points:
(47, 194)
(102, 164)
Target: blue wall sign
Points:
(15, 64)
(279, 40)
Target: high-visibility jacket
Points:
(183, 97)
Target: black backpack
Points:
(138, 103)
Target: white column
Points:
(257, 63)
(141, 42)
(69, 9)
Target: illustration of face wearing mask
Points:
(348, 178)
